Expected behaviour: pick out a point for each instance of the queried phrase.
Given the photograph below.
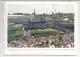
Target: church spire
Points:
(34, 12)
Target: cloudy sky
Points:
(40, 7)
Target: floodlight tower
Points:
(54, 8)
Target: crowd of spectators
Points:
(56, 41)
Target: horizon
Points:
(40, 7)
(37, 13)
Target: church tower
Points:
(34, 12)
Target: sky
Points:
(40, 7)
